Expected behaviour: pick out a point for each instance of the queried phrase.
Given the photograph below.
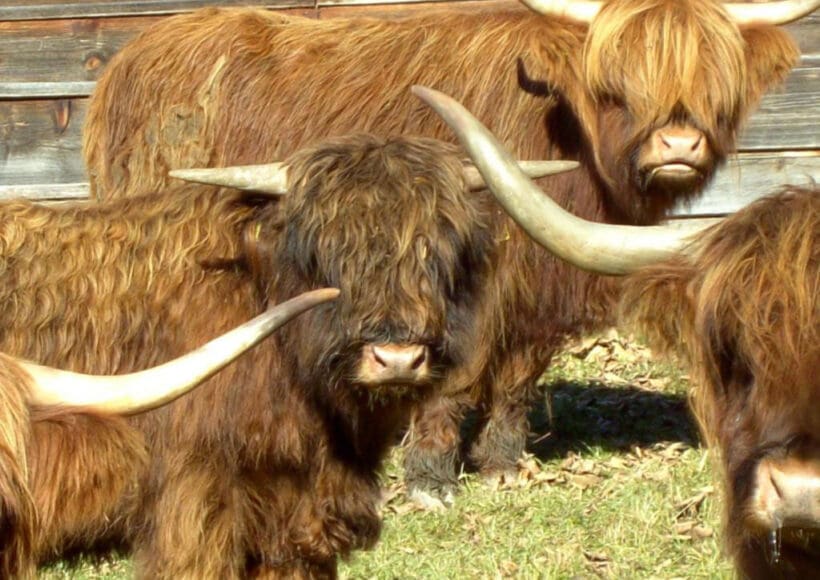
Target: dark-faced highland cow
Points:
(741, 302)
(647, 95)
(270, 468)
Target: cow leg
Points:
(502, 436)
(304, 521)
(431, 459)
(193, 525)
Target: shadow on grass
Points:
(613, 418)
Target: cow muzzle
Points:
(674, 157)
(786, 494)
(383, 364)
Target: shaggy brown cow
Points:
(742, 303)
(271, 467)
(50, 455)
(647, 96)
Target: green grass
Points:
(616, 486)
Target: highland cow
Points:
(741, 302)
(270, 468)
(646, 94)
(65, 449)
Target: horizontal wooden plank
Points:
(749, 176)
(14, 10)
(51, 90)
(46, 191)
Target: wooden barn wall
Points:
(51, 53)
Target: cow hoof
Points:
(431, 503)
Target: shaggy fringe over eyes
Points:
(750, 293)
(660, 55)
(388, 222)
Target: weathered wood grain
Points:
(40, 141)
(788, 117)
(46, 10)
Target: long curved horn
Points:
(145, 390)
(270, 178)
(532, 169)
(771, 12)
(602, 248)
(574, 10)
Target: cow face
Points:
(390, 223)
(667, 84)
(746, 312)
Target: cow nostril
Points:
(377, 358)
(419, 360)
(697, 143)
(775, 485)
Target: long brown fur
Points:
(270, 468)
(251, 86)
(18, 516)
(745, 312)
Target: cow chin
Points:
(388, 393)
(677, 180)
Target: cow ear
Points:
(770, 55)
(658, 302)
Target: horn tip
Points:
(328, 293)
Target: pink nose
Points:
(787, 493)
(400, 358)
(388, 362)
(679, 144)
